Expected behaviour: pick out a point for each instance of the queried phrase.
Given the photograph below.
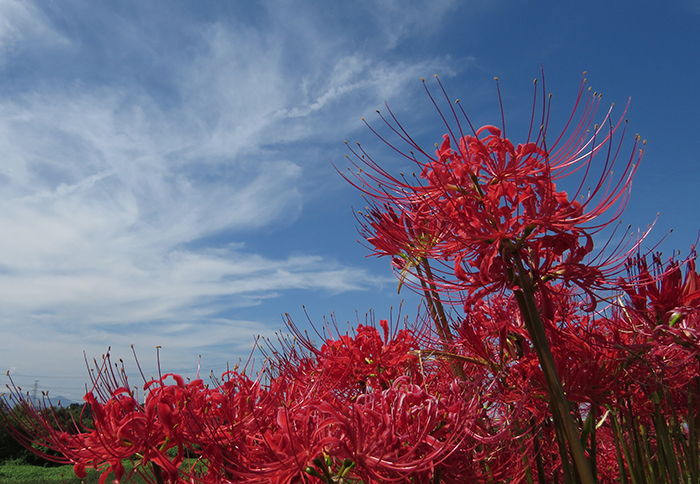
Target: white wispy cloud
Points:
(109, 190)
(22, 24)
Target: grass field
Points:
(14, 473)
(27, 474)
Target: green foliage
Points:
(13, 472)
(10, 449)
(64, 417)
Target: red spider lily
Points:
(353, 363)
(223, 424)
(123, 429)
(102, 449)
(660, 323)
(368, 358)
(491, 213)
(282, 442)
(482, 202)
(404, 433)
(662, 295)
(262, 435)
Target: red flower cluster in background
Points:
(538, 357)
(371, 409)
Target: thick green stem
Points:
(560, 407)
(434, 303)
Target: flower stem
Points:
(157, 473)
(560, 407)
(437, 312)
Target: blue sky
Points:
(165, 176)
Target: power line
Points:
(22, 375)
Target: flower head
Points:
(480, 200)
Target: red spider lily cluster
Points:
(362, 408)
(537, 357)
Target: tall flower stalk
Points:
(492, 209)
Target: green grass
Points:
(11, 473)
(18, 473)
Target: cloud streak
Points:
(124, 207)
